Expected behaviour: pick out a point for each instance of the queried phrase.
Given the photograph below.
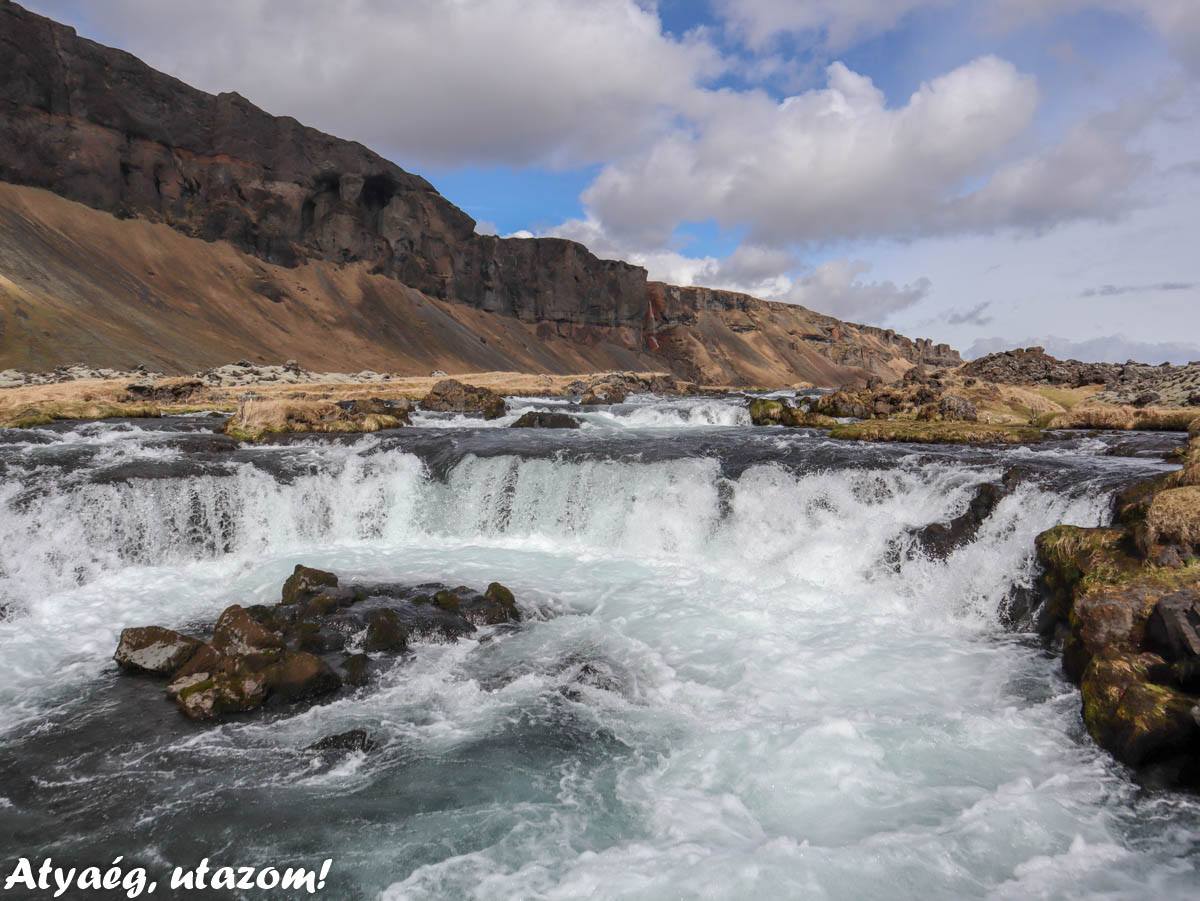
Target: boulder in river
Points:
(542, 419)
(304, 582)
(939, 539)
(348, 742)
(299, 675)
(452, 396)
(384, 632)
(258, 418)
(603, 395)
(777, 411)
(153, 649)
(304, 647)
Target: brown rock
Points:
(300, 675)
(540, 419)
(1137, 720)
(305, 581)
(384, 633)
(203, 696)
(153, 649)
(238, 633)
(452, 396)
(1174, 626)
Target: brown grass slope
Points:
(77, 284)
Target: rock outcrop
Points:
(258, 419)
(336, 255)
(1125, 602)
(1131, 383)
(320, 637)
(452, 396)
(545, 419)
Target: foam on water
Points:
(724, 687)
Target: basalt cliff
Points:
(143, 220)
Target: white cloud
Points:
(826, 164)
(837, 288)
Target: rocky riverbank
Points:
(268, 400)
(1125, 603)
(320, 637)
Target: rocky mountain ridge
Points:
(99, 127)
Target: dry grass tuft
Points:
(1124, 418)
(1174, 517)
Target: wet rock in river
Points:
(299, 675)
(237, 632)
(153, 649)
(541, 419)
(452, 396)
(304, 648)
(354, 740)
(939, 540)
(205, 696)
(384, 632)
(304, 581)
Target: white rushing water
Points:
(724, 688)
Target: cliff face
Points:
(97, 126)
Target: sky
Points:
(988, 173)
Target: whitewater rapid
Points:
(732, 679)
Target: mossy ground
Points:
(257, 420)
(935, 432)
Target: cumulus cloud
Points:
(838, 163)
(1109, 349)
(837, 288)
(577, 82)
(974, 316)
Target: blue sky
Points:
(984, 172)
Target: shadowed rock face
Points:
(98, 126)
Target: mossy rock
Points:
(384, 632)
(321, 605)
(501, 595)
(448, 600)
(204, 696)
(768, 411)
(356, 669)
(1130, 716)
